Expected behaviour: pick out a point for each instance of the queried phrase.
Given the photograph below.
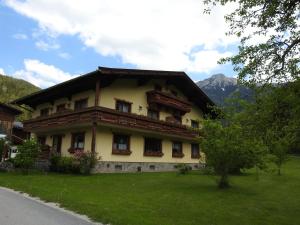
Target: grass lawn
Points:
(171, 199)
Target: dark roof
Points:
(10, 109)
(107, 75)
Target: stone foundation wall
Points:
(118, 167)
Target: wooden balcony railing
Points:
(102, 115)
(159, 98)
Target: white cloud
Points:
(41, 74)
(64, 55)
(156, 34)
(45, 46)
(20, 36)
(2, 71)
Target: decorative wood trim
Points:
(97, 93)
(153, 154)
(93, 144)
(155, 97)
(109, 116)
(121, 152)
(177, 155)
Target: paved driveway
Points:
(16, 209)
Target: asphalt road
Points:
(16, 209)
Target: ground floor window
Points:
(152, 147)
(78, 141)
(121, 144)
(177, 149)
(195, 151)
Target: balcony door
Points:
(56, 146)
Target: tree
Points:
(269, 36)
(27, 154)
(227, 148)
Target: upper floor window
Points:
(81, 104)
(157, 87)
(152, 147)
(121, 142)
(177, 119)
(153, 114)
(174, 93)
(123, 106)
(195, 151)
(177, 149)
(44, 112)
(78, 141)
(194, 124)
(61, 108)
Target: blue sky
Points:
(47, 42)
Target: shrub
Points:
(80, 163)
(27, 155)
(86, 161)
(183, 168)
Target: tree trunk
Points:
(223, 182)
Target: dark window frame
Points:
(151, 152)
(81, 104)
(61, 107)
(175, 152)
(119, 101)
(193, 154)
(73, 141)
(45, 112)
(118, 151)
(152, 111)
(194, 124)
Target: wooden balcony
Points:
(111, 117)
(162, 99)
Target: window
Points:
(152, 147)
(123, 106)
(77, 141)
(44, 112)
(121, 144)
(80, 104)
(195, 151)
(174, 93)
(177, 149)
(61, 108)
(177, 119)
(153, 114)
(41, 140)
(194, 124)
(157, 87)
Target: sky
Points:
(47, 42)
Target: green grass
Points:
(171, 199)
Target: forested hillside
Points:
(11, 88)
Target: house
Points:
(7, 117)
(135, 120)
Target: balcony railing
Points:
(159, 98)
(102, 116)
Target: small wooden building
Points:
(7, 117)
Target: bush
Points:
(28, 153)
(80, 163)
(183, 168)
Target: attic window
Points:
(123, 106)
(194, 124)
(81, 104)
(61, 108)
(44, 112)
(157, 87)
(174, 93)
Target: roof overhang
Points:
(107, 75)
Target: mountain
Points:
(219, 87)
(12, 88)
